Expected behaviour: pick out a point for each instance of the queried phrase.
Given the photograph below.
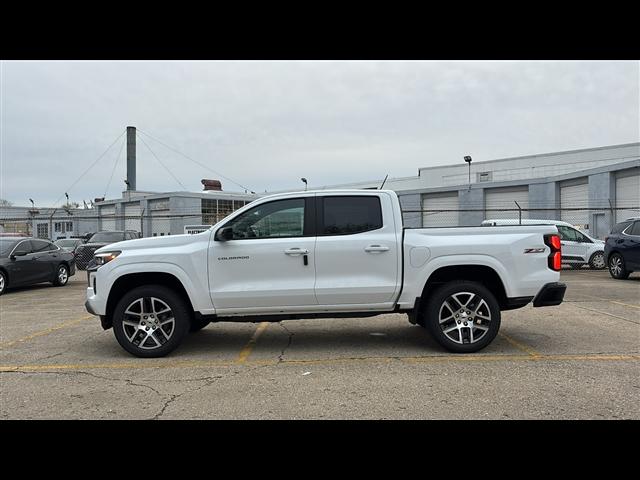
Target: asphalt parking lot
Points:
(580, 360)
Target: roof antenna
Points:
(385, 179)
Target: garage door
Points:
(496, 200)
(132, 213)
(575, 196)
(437, 205)
(160, 223)
(627, 197)
(108, 218)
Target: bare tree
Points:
(5, 203)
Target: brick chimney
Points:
(211, 184)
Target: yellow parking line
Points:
(45, 332)
(606, 300)
(520, 346)
(141, 365)
(246, 351)
(625, 304)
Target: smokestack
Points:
(131, 158)
(211, 184)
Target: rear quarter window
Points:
(635, 230)
(619, 227)
(347, 215)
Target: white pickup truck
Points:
(323, 254)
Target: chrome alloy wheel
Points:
(148, 323)
(615, 265)
(598, 260)
(464, 317)
(2, 284)
(63, 275)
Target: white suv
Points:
(578, 248)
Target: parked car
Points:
(26, 261)
(69, 244)
(578, 248)
(84, 252)
(622, 248)
(323, 254)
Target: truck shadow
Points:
(358, 340)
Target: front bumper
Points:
(551, 294)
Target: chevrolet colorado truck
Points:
(323, 254)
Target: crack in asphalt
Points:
(173, 398)
(99, 377)
(291, 334)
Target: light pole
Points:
(305, 183)
(467, 159)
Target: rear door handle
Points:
(376, 248)
(296, 251)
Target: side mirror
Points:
(224, 234)
(18, 253)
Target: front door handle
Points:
(376, 248)
(296, 251)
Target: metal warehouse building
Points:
(591, 188)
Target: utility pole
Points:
(131, 158)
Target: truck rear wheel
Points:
(150, 321)
(462, 316)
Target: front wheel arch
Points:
(130, 281)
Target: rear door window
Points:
(348, 215)
(635, 230)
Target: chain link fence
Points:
(596, 222)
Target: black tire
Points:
(617, 267)
(593, 261)
(128, 335)
(476, 294)
(3, 282)
(198, 324)
(61, 276)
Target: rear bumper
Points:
(551, 294)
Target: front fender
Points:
(197, 292)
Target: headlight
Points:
(105, 257)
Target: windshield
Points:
(104, 237)
(6, 245)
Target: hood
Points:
(151, 242)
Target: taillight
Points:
(555, 257)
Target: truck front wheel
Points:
(150, 321)
(462, 316)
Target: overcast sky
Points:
(266, 124)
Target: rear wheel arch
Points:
(127, 282)
(483, 274)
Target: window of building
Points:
(42, 230)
